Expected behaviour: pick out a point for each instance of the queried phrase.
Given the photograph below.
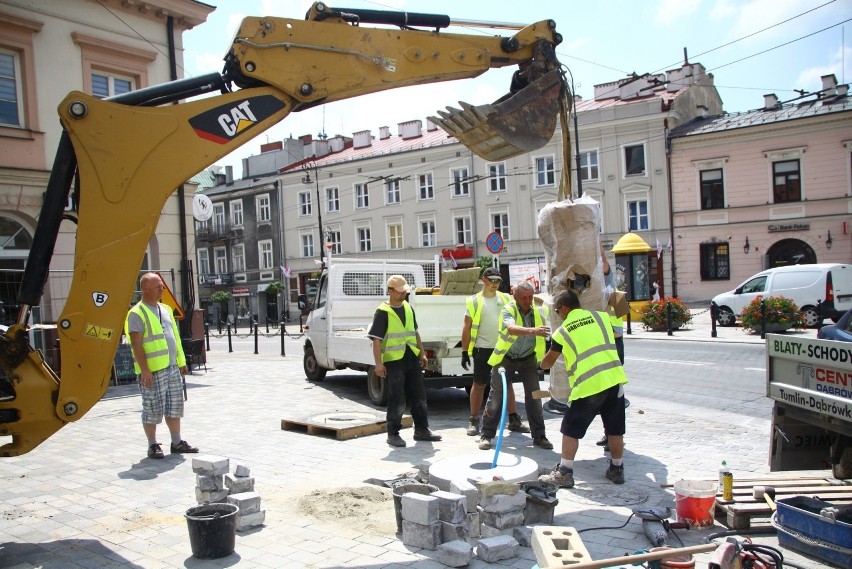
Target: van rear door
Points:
(841, 282)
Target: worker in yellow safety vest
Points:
(587, 343)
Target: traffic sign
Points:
(494, 242)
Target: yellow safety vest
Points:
(474, 310)
(617, 322)
(588, 347)
(398, 336)
(505, 340)
(154, 342)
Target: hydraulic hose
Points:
(502, 421)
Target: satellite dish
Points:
(202, 207)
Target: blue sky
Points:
(740, 41)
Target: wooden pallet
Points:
(342, 425)
(744, 509)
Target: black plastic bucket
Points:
(404, 486)
(212, 530)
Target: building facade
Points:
(761, 189)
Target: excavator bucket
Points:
(512, 125)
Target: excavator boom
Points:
(130, 153)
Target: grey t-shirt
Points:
(135, 324)
(523, 346)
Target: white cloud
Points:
(810, 79)
(670, 11)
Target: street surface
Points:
(88, 497)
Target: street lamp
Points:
(309, 167)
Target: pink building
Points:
(761, 189)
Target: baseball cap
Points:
(491, 272)
(398, 283)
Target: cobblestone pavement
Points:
(88, 497)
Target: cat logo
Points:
(223, 123)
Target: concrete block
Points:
(247, 502)
(493, 549)
(490, 531)
(248, 521)
(456, 553)
(503, 502)
(555, 545)
(523, 534)
(503, 520)
(419, 508)
(209, 483)
(493, 487)
(210, 465)
(202, 496)
(427, 536)
(452, 532)
(468, 490)
(451, 507)
(474, 521)
(241, 469)
(238, 484)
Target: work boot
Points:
(542, 442)
(395, 440)
(426, 435)
(615, 473)
(484, 443)
(473, 428)
(515, 424)
(561, 476)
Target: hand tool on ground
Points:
(765, 493)
(656, 525)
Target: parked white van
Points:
(807, 285)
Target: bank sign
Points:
(811, 374)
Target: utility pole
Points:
(576, 134)
(309, 167)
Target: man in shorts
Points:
(586, 341)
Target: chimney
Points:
(829, 84)
(306, 138)
(361, 139)
(410, 129)
(770, 102)
(270, 146)
(703, 109)
(336, 143)
(842, 90)
(430, 126)
(229, 174)
(384, 132)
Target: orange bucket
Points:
(695, 501)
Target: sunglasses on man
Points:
(495, 280)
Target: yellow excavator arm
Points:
(130, 152)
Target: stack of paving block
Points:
(501, 508)
(213, 483)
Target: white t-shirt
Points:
(486, 336)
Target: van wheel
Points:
(377, 388)
(811, 317)
(841, 452)
(725, 316)
(313, 371)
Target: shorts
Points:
(583, 411)
(164, 397)
(481, 368)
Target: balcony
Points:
(216, 232)
(215, 279)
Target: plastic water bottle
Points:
(722, 470)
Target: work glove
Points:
(465, 361)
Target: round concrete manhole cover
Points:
(345, 417)
(603, 494)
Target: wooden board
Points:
(342, 426)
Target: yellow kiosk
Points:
(633, 272)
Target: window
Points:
(107, 85)
(365, 242)
(334, 238)
(497, 177)
(427, 233)
(464, 234)
(11, 111)
(332, 196)
(786, 184)
(395, 234)
(305, 208)
(307, 245)
(544, 173)
(362, 196)
(461, 187)
(712, 189)
(637, 215)
(203, 261)
(237, 213)
(220, 259)
(238, 258)
(500, 223)
(634, 160)
(392, 191)
(715, 262)
(589, 166)
(264, 212)
(218, 217)
(264, 254)
(426, 187)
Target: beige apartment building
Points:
(101, 47)
(761, 189)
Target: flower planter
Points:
(664, 328)
(771, 327)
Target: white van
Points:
(807, 285)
